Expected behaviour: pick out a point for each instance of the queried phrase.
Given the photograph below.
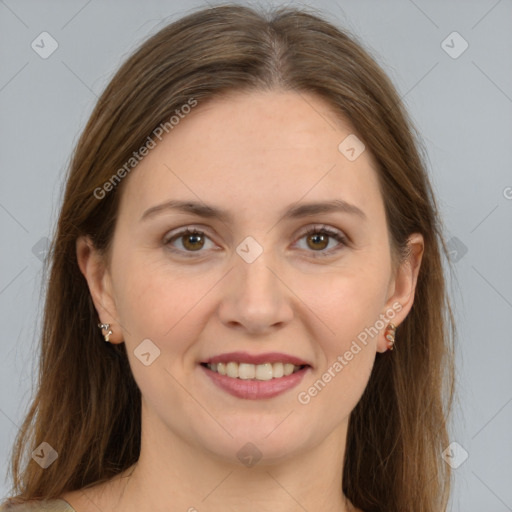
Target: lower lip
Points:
(256, 389)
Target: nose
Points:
(255, 297)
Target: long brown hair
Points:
(399, 428)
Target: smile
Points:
(248, 371)
(254, 381)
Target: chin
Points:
(266, 441)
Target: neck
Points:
(173, 475)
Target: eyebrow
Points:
(292, 212)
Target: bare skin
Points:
(255, 155)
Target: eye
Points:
(317, 238)
(192, 240)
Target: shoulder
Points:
(53, 505)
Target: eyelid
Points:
(321, 228)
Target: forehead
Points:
(256, 150)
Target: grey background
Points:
(462, 107)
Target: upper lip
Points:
(245, 357)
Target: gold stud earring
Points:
(105, 327)
(390, 335)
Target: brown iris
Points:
(190, 241)
(318, 237)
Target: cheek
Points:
(163, 309)
(345, 307)
(161, 304)
(347, 299)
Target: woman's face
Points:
(254, 287)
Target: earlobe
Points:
(403, 289)
(92, 267)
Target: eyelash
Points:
(326, 230)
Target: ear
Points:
(402, 286)
(98, 278)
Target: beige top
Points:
(56, 505)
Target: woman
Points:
(246, 307)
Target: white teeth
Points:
(264, 371)
(231, 370)
(288, 369)
(277, 370)
(246, 371)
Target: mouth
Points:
(255, 377)
(248, 371)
